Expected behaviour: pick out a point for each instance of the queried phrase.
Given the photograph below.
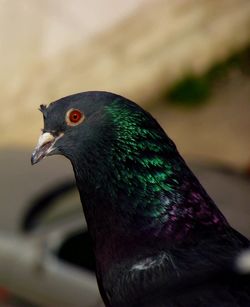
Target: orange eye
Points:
(74, 117)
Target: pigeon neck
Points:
(124, 226)
(126, 201)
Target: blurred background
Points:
(185, 61)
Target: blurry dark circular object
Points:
(43, 203)
(73, 246)
(76, 249)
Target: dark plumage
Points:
(159, 239)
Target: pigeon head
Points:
(71, 125)
(111, 142)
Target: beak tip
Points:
(33, 159)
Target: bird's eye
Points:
(74, 117)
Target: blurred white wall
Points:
(137, 48)
(33, 32)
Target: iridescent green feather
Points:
(141, 153)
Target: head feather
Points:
(43, 109)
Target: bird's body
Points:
(159, 239)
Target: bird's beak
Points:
(44, 147)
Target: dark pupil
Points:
(74, 117)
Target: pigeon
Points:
(159, 240)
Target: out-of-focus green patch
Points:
(190, 91)
(194, 90)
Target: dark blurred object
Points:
(77, 250)
(43, 202)
(248, 171)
